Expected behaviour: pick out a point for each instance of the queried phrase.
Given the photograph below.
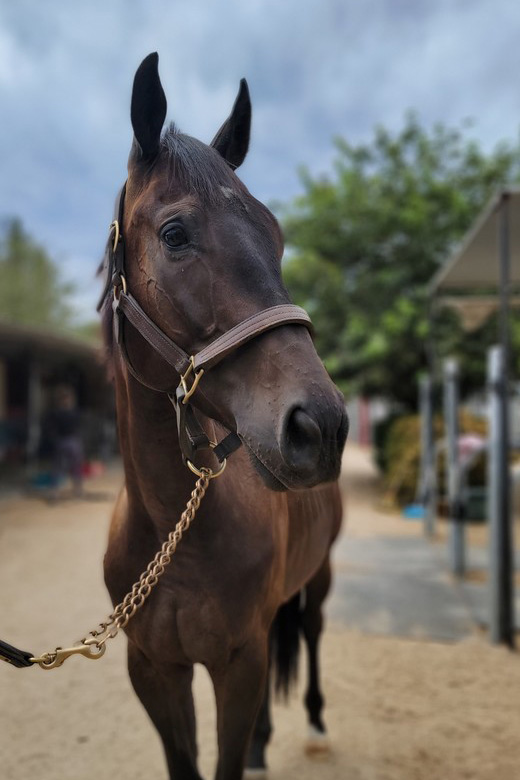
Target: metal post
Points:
(504, 286)
(452, 470)
(504, 530)
(501, 586)
(429, 487)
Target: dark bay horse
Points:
(201, 256)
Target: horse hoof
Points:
(256, 773)
(317, 744)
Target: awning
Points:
(47, 344)
(475, 264)
(474, 310)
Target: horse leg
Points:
(256, 766)
(168, 701)
(312, 624)
(239, 688)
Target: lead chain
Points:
(94, 644)
(141, 589)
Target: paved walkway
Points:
(388, 578)
(474, 587)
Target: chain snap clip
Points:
(88, 648)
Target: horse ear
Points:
(148, 109)
(232, 140)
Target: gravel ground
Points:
(397, 709)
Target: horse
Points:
(202, 269)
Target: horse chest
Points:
(219, 586)
(313, 524)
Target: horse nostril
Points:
(301, 443)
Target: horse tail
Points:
(285, 645)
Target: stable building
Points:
(33, 362)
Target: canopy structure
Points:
(475, 265)
(474, 310)
(480, 277)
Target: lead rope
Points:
(93, 645)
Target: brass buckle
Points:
(205, 472)
(123, 285)
(117, 233)
(196, 379)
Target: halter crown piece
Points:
(189, 368)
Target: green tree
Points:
(366, 239)
(31, 291)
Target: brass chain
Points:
(141, 589)
(93, 645)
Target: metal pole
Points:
(504, 530)
(501, 586)
(505, 282)
(452, 470)
(429, 490)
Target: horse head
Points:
(202, 255)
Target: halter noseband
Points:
(190, 368)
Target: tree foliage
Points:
(31, 291)
(366, 239)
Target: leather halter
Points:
(126, 308)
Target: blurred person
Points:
(64, 431)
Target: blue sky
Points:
(316, 69)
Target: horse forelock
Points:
(198, 168)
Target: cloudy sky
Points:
(316, 68)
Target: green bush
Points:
(400, 455)
(380, 432)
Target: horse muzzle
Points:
(309, 448)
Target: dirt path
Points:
(397, 709)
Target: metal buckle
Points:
(205, 472)
(123, 285)
(196, 379)
(115, 226)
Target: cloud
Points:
(315, 69)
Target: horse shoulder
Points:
(115, 561)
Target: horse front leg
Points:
(168, 700)
(239, 690)
(256, 765)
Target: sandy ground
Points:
(396, 709)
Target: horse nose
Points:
(301, 441)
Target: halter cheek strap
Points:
(189, 368)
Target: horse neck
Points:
(157, 481)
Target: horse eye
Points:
(174, 236)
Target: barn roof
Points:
(46, 343)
